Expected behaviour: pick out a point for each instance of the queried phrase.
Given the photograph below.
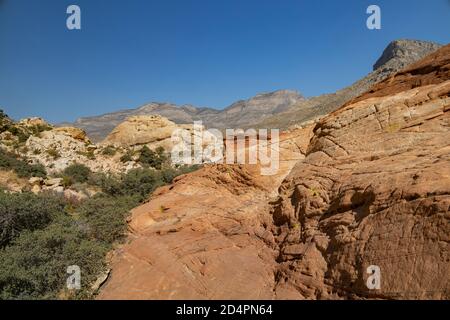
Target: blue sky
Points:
(200, 52)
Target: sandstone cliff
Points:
(367, 185)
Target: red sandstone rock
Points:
(372, 189)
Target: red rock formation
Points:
(373, 189)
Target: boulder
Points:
(36, 181)
(74, 196)
(154, 131)
(53, 182)
(33, 122)
(36, 189)
(73, 132)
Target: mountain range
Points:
(280, 109)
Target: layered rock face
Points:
(374, 189)
(368, 185)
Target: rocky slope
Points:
(279, 109)
(401, 53)
(368, 184)
(35, 141)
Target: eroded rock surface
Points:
(370, 185)
(154, 131)
(204, 237)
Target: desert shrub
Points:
(3, 115)
(24, 149)
(66, 181)
(23, 169)
(25, 211)
(105, 216)
(169, 173)
(77, 173)
(39, 128)
(150, 158)
(97, 179)
(35, 265)
(23, 137)
(13, 129)
(88, 154)
(140, 182)
(109, 151)
(110, 185)
(127, 157)
(40, 240)
(52, 152)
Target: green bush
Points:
(97, 179)
(150, 158)
(52, 152)
(35, 265)
(109, 151)
(139, 182)
(77, 173)
(105, 216)
(67, 181)
(3, 115)
(168, 174)
(88, 154)
(127, 157)
(23, 169)
(40, 240)
(37, 129)
(25, 211)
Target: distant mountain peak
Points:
(400, 53)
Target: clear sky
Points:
(201, 52)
